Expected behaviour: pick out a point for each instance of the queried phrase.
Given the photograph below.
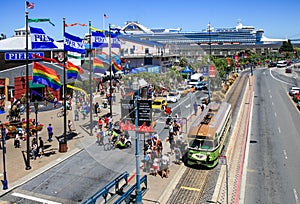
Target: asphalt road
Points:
(273, 174)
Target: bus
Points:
(208, 133)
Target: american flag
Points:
(29, 5)
(105, 16)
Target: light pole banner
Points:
(99, 40)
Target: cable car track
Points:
(191, 186)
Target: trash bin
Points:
(62, 143)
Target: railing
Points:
(127, 197)
(105, 192)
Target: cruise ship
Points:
(238, 35)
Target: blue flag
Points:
(115, 42)
(40, 40)
(99, 40)
(73, 43)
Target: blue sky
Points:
(279, 19)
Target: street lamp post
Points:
(36, 107)
(4, 181)
(138, 200)
(208, 27)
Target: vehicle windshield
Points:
(201, 144)
(156, 103)
(181, 89)
(172, 94)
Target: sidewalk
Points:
(158, 189)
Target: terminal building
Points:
(153, 50)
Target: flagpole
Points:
(103, 22)
(90, 81)
(110, 74)
(64, 88)
(27, 160)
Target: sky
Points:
(278, 19)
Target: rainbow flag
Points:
(73, 71)
(98, 66)
(44, 75)
(115, 67)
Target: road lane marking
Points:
(275, 114)
(272, 103)
(279, 79)
(21, 195)
(270, 96)
(296, 196)
(285, 155)
(279, 130)
(190, 188)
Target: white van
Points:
(195, 79)
(282, 63)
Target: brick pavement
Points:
(158, 189)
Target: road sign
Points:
(205, 71)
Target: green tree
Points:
(286, 47)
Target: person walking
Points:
(195, 107)
(70, 126)
(50, 132)
(76, 114)
(96, 108)
(41, 147)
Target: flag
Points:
(74, 24)
(98, 66)
(38, 20)
(103, 57)
(115, 42)
(29, 5)
(115, 67)
(40, 40)
(99, 40)
(105, 16)
(73, 71)
(44, 75)
(73, 44)
(116, 57)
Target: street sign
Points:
(212, 71)
(205, 71)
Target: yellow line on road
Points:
(190, 188)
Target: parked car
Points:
(296, 97)
(201, 86)
(294, 90)
(159, 103)
(298, 105)
(173, 97)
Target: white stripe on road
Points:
(270, 96)
(279, 130)
(21, 195)
(296, 196)
(275, 114)
(285, 155)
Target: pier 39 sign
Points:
(22, 55)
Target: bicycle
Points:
(109, 146)
(61, 113)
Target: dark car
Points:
(201, 86)
(288, 70)
(272, 64)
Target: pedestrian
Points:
(165, 163)
(17, 141)
(110, 121)
(177, 154)
(100, 123)
(100, 137)
(50, 132)
(96, 108)
(70, 126)
(34, 148)
(41, 147)
(155, 165)
(195, 107)
(54, 102)
(147, 161)
(76, 114)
